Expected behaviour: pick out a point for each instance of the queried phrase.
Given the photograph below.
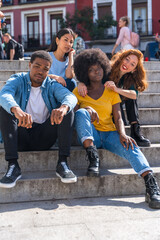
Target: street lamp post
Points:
(139, 21)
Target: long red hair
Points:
(137, 78)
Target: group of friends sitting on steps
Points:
(44, 105)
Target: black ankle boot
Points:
(93, 157)
(138, 137)
(152, 191)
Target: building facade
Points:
(34, 22)
(147, 10)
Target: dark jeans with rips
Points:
(131, 110)
(38, 138)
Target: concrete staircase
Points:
(39, 181)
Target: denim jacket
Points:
(16, 92)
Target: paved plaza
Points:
(123, 218)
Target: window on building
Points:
(140, 9)
(33, 31)
(54, 24)
(105, 9)
(8, 25)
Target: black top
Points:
(12, 44)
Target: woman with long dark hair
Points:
(62, 53)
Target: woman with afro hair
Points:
(127, 77)
(94, 124)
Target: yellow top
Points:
(103, 106)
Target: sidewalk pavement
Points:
(127, 218)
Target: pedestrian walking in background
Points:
(124, 35)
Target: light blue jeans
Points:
(110, 141)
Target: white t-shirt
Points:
(36, 106)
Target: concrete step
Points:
(5, 75)
(16, 64)
(151, 100)
(153, 75)
(149, 116)
(149, 131)
(45, 185)
(8, 65)
(2, 83)
(47, 160)
(153, 87)
(150, 65)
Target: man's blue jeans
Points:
(110, 141)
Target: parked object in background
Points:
(151, 51)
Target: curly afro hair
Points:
(88, 58)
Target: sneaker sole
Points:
(10, 185)
(67, 180)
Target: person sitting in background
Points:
(62, 53)
(157, 38)
(79, 44)
(94, 124)
(124, 35)
(35, 112)
(13, 49)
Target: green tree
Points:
(84, 19)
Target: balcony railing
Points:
(40, 41)
(146, 30)
(7, 2)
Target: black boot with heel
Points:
(138, 137)
(93, 157)
(152, 196)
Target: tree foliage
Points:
(84, 19)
